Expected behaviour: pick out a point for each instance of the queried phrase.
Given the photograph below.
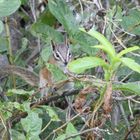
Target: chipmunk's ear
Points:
(53, 45)
(66, 40)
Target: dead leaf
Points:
(108, 99)
(80, 100)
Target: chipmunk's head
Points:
(62, 52)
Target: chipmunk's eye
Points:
(56, 55)
(70, 54)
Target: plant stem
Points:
(9, 48)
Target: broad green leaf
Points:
(52, 114)
(25, 107)
(82, 42)
(46, 31)
(82, 64)
(1, 26)
(127, 50)
(131, 22)
(1, 1)
(45, 16)
(133, 87)
(7, 7)
(131, 64)
(16, 135)
(103, 48)
(61, 11)
(32, 124)
(46, 53)
(17, 105)
(70, 130)
(57, 74)
(104, 42)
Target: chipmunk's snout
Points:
(65, 62)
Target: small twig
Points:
(121, 43)
(32, 5)
(138, 102)
(9, 130)
(3, 122)
(126, 120)
(82, 11)
(86, 131)
(129, 132)
(119, 40)
(46, 100)
(131, 112)
(124, 98)
(46, 126)
(98, 4)
(26, 13)
(127, 76)
(127, 98)
(59, 128)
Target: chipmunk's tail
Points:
(25, 74)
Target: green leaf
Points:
(20, 92)
(82, 64)
(46, 53)
(45, 16)
(103, 48)
(70, 130)
(26, 106)
(127, 50)
(22, 49)
(131, 64)
(51, 113)
(1, 1)
(23, 2)
(46, 31)
(104, 42)
(131, 22)
(61, 11)
(57, 74)
(82, 42)
(3, 44)
(17, 135)
(32, 124)
(7, 7)
(17, 105)
(61, 137)
(1, 26)
(133, 87)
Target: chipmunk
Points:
(61, 56)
